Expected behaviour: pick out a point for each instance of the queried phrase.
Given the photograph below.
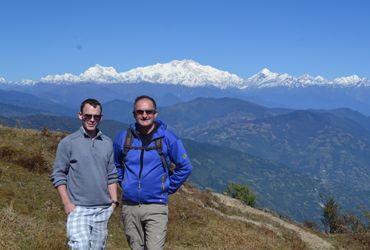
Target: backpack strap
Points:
(126, 145)
(158, 145)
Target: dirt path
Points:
(311, 240)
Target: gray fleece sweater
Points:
(86, 167)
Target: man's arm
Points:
(112, 188)
(183, 166)
(117, 149)
(67, 203)
(59, 175)
(112, 180)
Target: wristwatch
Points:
(116, 203)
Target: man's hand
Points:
(115, 204)
(112, 188)
(67, 203)
(68, 208)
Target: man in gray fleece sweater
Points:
(86, 179)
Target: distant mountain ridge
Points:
(180, 81)
(199, 111)
(32, 103)
(331, 151)
(60, 123)
(192, 74)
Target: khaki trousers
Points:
(145, 225)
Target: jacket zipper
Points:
(141, 170)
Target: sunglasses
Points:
(87, 117)
(147, 111)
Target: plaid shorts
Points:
(87, 227)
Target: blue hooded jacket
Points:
(145, 180)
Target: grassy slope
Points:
(31, 215)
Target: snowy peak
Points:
(351, 80)
(310, 80)
(101, 74)
(185, 72)
(267, 79)
(97, 73)
(21, 82)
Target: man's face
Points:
(145, 113)
(90, 117)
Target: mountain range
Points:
(182, 81)
(192, 74)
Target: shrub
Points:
(331, 217)
(353, 223)
(336, 222)
(242, 193)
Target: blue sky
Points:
(330, 38)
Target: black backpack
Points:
(158, 146)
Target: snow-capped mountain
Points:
(307, 80)
(267, 79)
(98, 74)
(186, 72)
(192, 74)
(352, 80)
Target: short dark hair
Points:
(145, 97)
(92, 102)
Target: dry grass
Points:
(31, 149)
(28, 232)
(202, 228)
(31, 215)
(358, 241)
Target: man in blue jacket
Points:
(145, 181)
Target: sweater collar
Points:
(86, 135)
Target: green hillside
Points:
(32, 216)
